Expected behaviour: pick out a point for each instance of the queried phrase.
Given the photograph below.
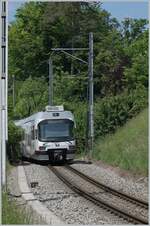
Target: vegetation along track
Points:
(96, 200)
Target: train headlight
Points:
(72, 147)
(42, 148)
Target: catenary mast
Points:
(3, 91)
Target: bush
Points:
(14, 137)
(109, 113)
(112, 112)
(80, 113)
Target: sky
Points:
(119, 9)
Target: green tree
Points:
(32, 97)
(120, 62)
(137, 72)
(26, 53)
(133, 28)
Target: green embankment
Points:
(128, 147)
(13, 214)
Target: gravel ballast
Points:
(67, 205)
(72, 208)
(134, 187)
(103, 195)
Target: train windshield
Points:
(55, 130)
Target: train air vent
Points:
(55, 114)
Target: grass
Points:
(13, 214)
(128, 147)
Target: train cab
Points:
(49, 135)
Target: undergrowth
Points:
(128, 147)
(12, 213)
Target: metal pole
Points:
(13, 77)
(50, 101)
(6, 65)
(90, 108)
(0, 112)
(3, 93)
(90, 114)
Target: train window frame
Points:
(69, 138)
(36, 134)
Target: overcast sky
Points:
(118, 9)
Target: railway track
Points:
(96, 200)
(119, 194)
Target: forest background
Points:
(120, 64)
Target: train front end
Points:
(55, 135)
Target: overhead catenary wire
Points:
(90, 90)
(74, 57)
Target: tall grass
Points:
(13, 214)
(128, 147)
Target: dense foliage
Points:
(120, 63)
(14, 137)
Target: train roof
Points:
(51, 114)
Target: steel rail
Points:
(108, 189)
(98, 201)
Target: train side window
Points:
(29, 139)
(32, 133)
